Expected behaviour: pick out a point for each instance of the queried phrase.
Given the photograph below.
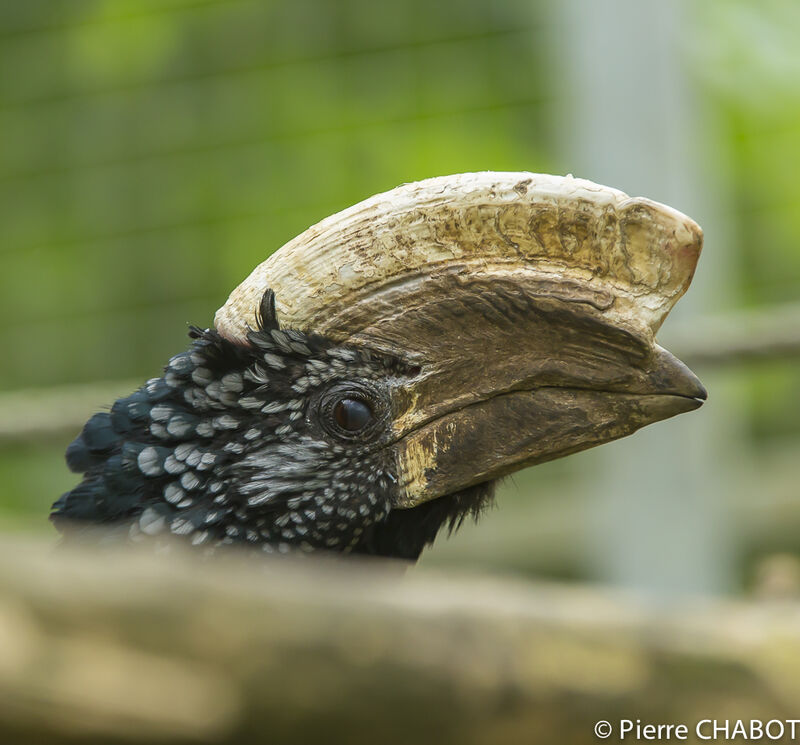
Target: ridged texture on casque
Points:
(639, 254)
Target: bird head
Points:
(373, 379)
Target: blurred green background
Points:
(154, 151)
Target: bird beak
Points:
(527, 304)
(547, 412)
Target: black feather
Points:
(228, 446)
(266, 317)
(405, 533)
(79, 459)
(98, 433)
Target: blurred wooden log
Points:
(111, 647)
(33, 414)
(737, 338)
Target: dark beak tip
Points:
(698, 390)
(697, 402)
(673, 377)
(691, 390)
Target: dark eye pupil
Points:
(352, 414)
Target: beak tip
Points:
(672, 376)
(695, 389)
(696, 402)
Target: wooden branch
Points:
(109, 647)
(764, 335)
(33, 414)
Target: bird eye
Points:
(352, 411)
(352, 414)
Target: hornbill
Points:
(371, 381)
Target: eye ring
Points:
(352, 411)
